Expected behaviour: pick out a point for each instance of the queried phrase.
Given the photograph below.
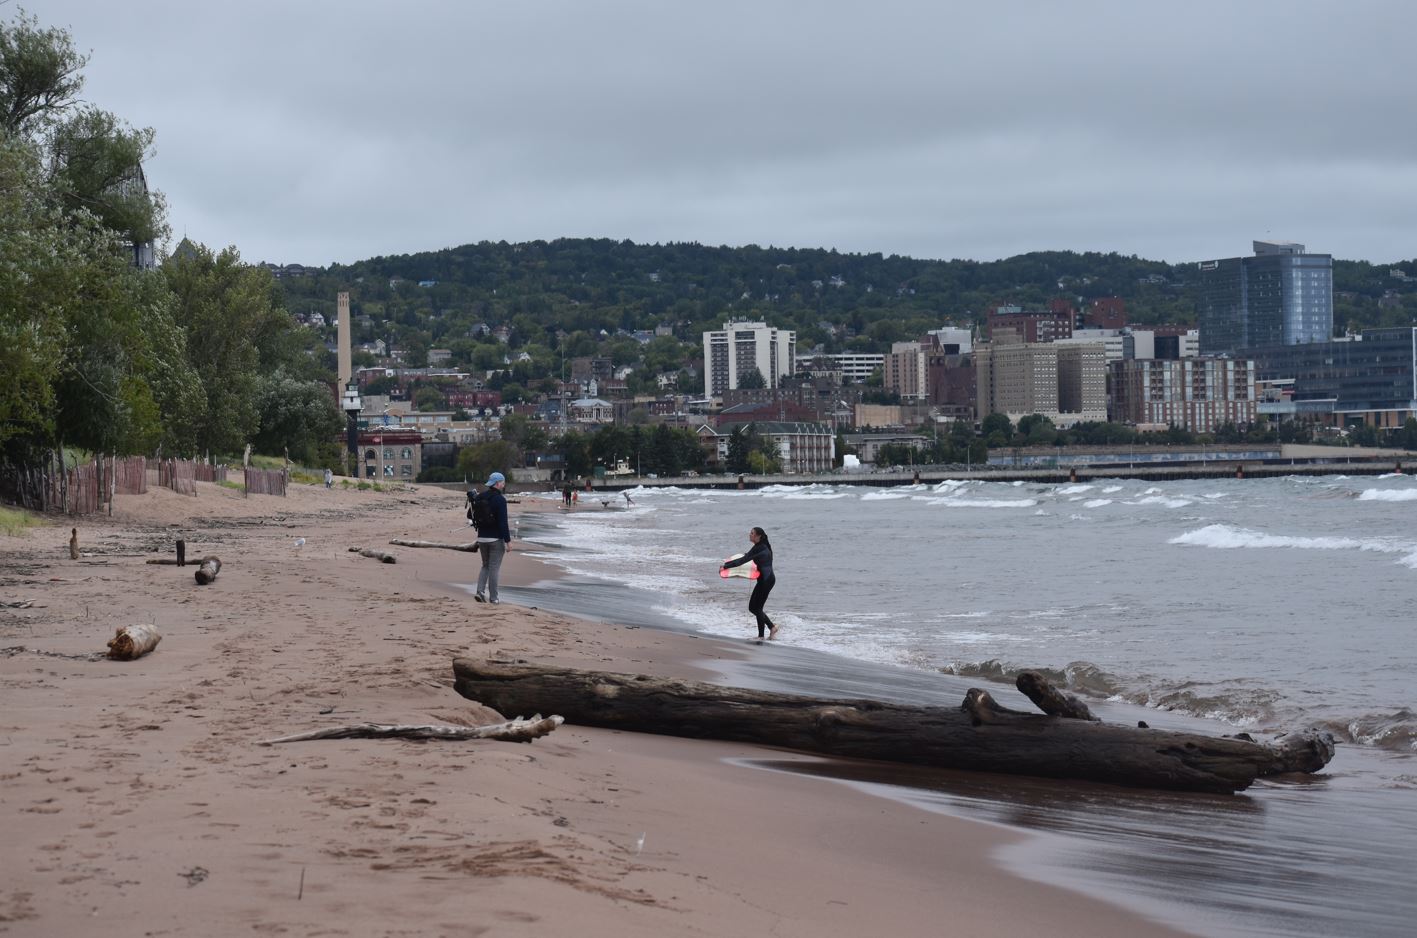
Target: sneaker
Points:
(495, 602)
(480, 598)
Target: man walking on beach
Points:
(494, 536)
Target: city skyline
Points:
(322, 132)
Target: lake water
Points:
(1262, 605)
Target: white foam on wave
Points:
(1075, 489)
(1097, 502)
(1226, 537)
(984, 638)
(1112, 490)
(950, 485)
(1162, 500)
(983, 502)
(1388, 495)
(884, 496)
(776, 490)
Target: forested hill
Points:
(593, 284)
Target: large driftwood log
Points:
(208, 570)
(378, 555)
(980, 736)
(133, 641)
(470, 547)
(515, 731)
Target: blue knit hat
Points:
(496, 477)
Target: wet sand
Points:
(137, 801)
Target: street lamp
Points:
(352, 405)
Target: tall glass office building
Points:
(1281, 296)
(1371, 378)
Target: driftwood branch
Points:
(133, 641)
(981, 736)
(207, 571)
(515, 731)
(470, 547)
(983, 708)
(1049, 699)
(378, 555)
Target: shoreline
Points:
(137, 796)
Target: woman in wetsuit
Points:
(761, 554)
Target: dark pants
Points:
(758, 600)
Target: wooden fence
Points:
(182, 475)
(129, 475)
(75, 490)
(266, 481)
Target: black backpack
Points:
(482, 515)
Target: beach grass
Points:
(15, 521)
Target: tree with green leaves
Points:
(752, 379)
(428, 399)
(40, 76)
(480, 460)
(96, 357)
(298, 417)
(739, 446)
(234, 330)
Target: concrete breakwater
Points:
(1215, 466)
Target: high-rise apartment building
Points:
(1281, 296)
(1197, 394)
(905, 370)
(1065, 383)
(741, 347)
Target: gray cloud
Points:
(322, 131)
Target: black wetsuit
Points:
(761, 554)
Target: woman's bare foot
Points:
(773, 633)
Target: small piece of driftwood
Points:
(378, 555)
(1049, 699)
(165, 561)
(74, 544)
(208, 570)
(133, 641)
(470, 547)
(515, 731)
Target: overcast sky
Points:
(312, 132)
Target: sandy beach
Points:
(137, 800)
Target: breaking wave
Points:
(1226, 537)
(1388, 495)
(1238, 703)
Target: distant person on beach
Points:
(494, 536)
(761, 554)
(329, 478)
(566, 495)
(628, 499)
